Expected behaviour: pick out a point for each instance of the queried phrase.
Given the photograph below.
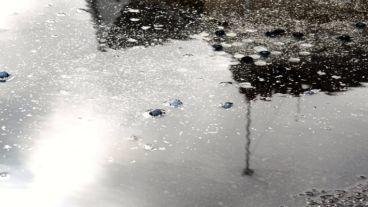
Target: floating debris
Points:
(275, 33)
(157, 112)
(175, 103)
(227, 105)
(217, 47)
(247, 60)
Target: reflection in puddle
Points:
(329, 74)
(248, 170)
(121, 24)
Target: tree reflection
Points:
(121, 24)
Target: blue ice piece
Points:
(175, 103)
(227, 105)
(156, 112)
(4, 75)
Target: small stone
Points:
(175, 103)
(217, 47)
(227, 105)
(247, 60)
(298, 35)
(265, 53)
(4, 75)
(275, 33)
(360, 25)
(344, 38)
(220, 33)
(156, 113)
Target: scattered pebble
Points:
(227, 105)
(175, 103)
(156, 112)
(4, 76)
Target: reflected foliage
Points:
(327, 73)
(144, 22)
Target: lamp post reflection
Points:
(248, 171)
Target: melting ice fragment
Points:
(4, 76)
(227, 105)
(175, 103)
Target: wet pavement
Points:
(127, 103)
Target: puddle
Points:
(280, 108)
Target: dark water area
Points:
(334, 73)
(145, 23)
